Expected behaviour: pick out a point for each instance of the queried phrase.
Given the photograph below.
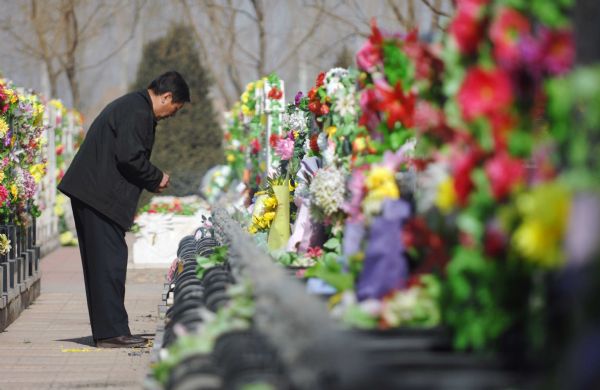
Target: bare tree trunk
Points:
(262, 37)
(69, 62)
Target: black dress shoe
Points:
(122, 342)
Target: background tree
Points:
(189, 143)
(56, 32)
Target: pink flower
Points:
(506, 32)
(466, 28)
(484, 92)
(369, 55)
(463, 166)
(559, 51)
(285, 148)
(314, 252)
(504, 173)
(3, 195)
(357, 190)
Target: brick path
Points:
(49, 345)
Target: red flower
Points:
(275, 93)
(466, 28)
(398, 106)
(314, 107)
(506, 32)
(504, 173)
(273, 139)
(559, 51)
(463, 184)
(314, 252)
(370, 55)
(227, 136)
(60, 149)
(494, 241)
(320, 79)
(314, 146)
(484, 92)
(255, 146)
(368, 105)
(324, 109)
(502, 124)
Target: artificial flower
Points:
(369, 56)
(446, 196)
(559, 51)
(398, 105)
(545, 212)
(504, 173)
(505, 33)
(327, 190)
(3, 127)
(484, 92)
(3, 195)
(466, 27)
(314, 252)
(5, 246)
(285, 148)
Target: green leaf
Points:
(520, 143)
(333, 244)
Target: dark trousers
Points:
(104, 259)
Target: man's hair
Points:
(173, 82)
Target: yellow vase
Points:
(279, 234)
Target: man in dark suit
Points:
(104, 182)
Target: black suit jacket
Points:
(113, 165)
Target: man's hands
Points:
(164, 183)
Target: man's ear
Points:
(166, 97)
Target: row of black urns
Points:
(21, 262)
(239, 358)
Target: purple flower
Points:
(298, 97)
(353, 236)
(385, 267)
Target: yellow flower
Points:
(331, 131)
(1, 176)
(380, 181)
(4, 244)
(261, 83)
(250, 87)
(230, 158)
(545, 212)
(245, 97)
(59, 210)
(3, 127)
(271, 203)
(446, 196)
(247, 111)
(269, 216)
(252, 229)
(296, 134)
(37, 171)
(14, 190)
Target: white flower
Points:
(428, 183)
(327, 190)
(295, 121)
(345, 105)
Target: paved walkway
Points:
(50, 346)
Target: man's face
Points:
(166, 107)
